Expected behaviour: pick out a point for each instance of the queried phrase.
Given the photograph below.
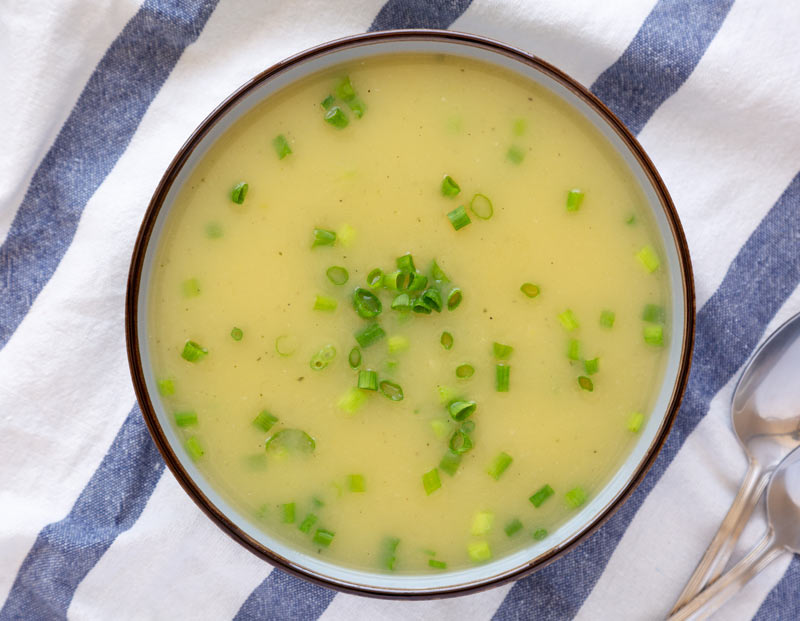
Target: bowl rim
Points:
(146, 230)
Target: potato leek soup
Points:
(408, 314)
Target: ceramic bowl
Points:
(581, 523)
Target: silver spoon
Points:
(765, 414)
(783, 534)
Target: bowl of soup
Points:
(410, 314)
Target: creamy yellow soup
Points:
(549, 355)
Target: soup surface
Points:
(500, 387)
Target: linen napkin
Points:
(97, 96)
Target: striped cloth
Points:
(96, 97)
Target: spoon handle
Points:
(721, 547)
(732, 582)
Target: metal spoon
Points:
(783, 534)
(765, 414)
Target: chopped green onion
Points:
(358, 107)
(433, 299)
(336, 117)
(461, 410)
(368, 379)
(432, 562)
(317, 502)
(328, 102)
(518, 128)
(502, 376)
(468, 426)
(346, 235)
(308, 523)
(654, 313)
(418, 282)
(323, 537)
(166, 387)
(635, 422)
(449, 187)
(653, 334)
(607, 318)
(285, 345)
(389, 552)
(437, 274)
(323, 357)
(323, 237)
(573, 349)
(574, 199)
(352, 400)
(515, 155)
(194, 448)
(337, 275)
(585, 383)
(539, 534)
(213, 230)
(375, 278)
(401, 302)
(542, 494)
(454, 298)
(397, 343)
(499, 465)
(356, 483)
(481, 523)
(502, 352)
(265, 420)
(440, 428)
(288, 513)
(354, 358)
(648, 258)
(450, 462)
(513, 527)
(391, 390)
(325, 303)
(366, 303)
(288, 441)
(465, 371)
(481, 206)
(185, 419)
(239, 192)
(369, 335)
(592, 366)
(191, 288)
(406, 263)
(460, 442)
(568, 320)
(192, 352)
(399, 280)
(479, 551)
(530, 289)
(281, 145)
(631, 219)
(431, 481)
(575, 497)
(344, 89)
(446, 340)
(236, 334)
(446, 394)
(421, 305)
(459, 217)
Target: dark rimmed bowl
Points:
(595, 512)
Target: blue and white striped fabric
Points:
(96, 97)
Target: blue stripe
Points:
(88, 146)
(397, 14)
(65, 551)
(783, 602)
(283, 597)
(660, 58)
(729, 326)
